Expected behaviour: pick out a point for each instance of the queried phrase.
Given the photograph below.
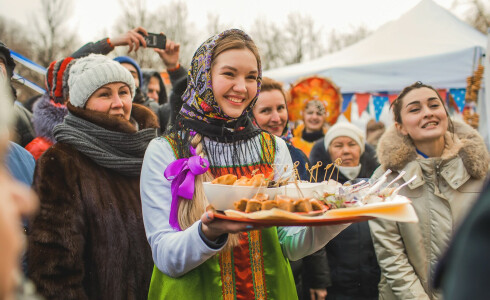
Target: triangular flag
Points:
(379, 103)
(392, 98)
(459, 97)
(346, 100)
(347, 112)
(443, 94)
(362, 101)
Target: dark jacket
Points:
(354, 270)
(88, 240)
(310, 271)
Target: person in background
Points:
(270, 113)
(450, 162)
(374, 131)
(353, 267)
(196, 255)
(88, 241)
(153, 86)
(22, 132)
(313, 127)
(17, 203)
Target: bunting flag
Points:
(443, 94)
(362, 101)
(346, 101)
(392, 97)
(379, 103)
(459, 97)
(347, 112)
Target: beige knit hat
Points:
(90, 73)
(345, 129)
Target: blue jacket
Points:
(20, 163)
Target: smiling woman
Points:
(234, 77)
(450, 161)
(196, 255)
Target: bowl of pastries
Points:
(224, 190)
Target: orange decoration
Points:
(315, 88)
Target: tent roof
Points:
(427, 43)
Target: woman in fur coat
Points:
(88, 240)
(450, 161)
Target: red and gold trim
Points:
(257, 264)
(227, 275)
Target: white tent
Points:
(427, 43)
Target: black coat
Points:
(354, 270)
(310, 271)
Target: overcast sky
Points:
(95, 18)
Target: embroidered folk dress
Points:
(186, 268)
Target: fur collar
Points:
(45, 116)
(143, 117)
(395, 150)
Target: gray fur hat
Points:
(90, 73)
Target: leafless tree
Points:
(477, 13)
(303, 39)
(19, 39)
(214, 25)
(270, 40)
(337, 41)
(171, 19)
(282, 44)
(55, 39)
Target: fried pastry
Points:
(253, 205)
(269, 204)
(228, 179)
(302, 205)
(242, 181)
(241, 205)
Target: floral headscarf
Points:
(199, 102)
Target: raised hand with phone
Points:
(168, 50)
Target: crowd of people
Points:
(116, 207)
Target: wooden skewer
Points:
(295, 170)
(260, 186)
(337, 162)
(326, 170)
(297, 186)
(318, 167)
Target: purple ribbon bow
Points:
(182, 173)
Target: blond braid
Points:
(190, 211)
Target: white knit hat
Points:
(345, 129)
(90, 73)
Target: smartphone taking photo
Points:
(155, 40)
